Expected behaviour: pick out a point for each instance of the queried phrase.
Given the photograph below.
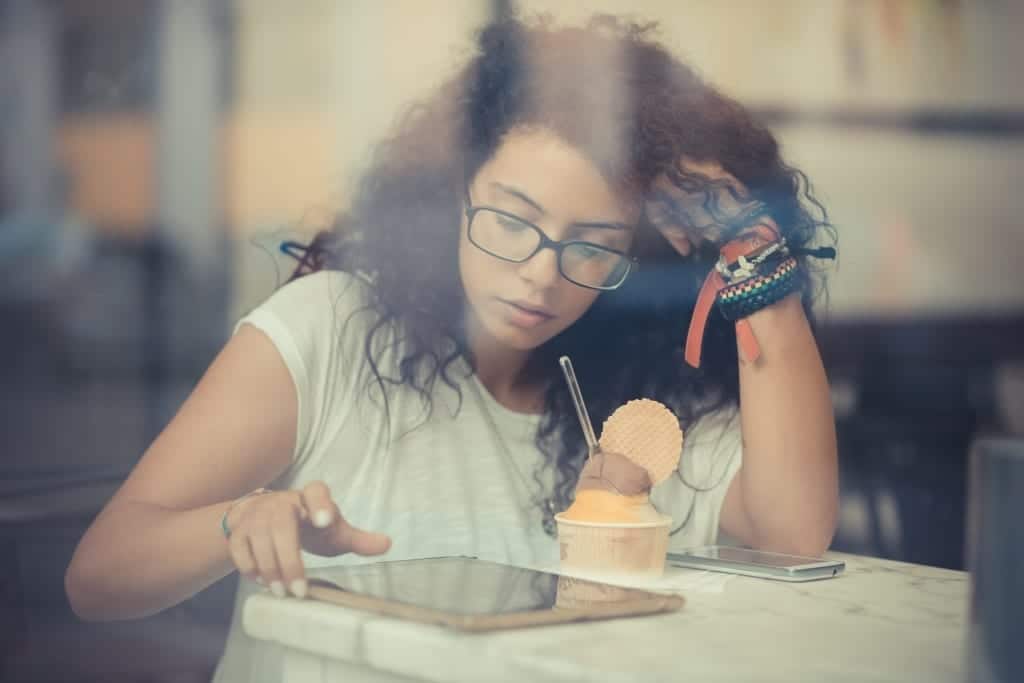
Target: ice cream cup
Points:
(613, 549)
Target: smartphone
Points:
(764, 565)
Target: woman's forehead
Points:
(558, 177)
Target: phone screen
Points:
(755, 557)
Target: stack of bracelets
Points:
(754, 271)
(756, 282)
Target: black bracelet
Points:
(740, 300)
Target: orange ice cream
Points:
(596, 505)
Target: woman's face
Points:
(536, 176)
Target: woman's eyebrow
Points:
(519, 194)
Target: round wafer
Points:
(647, 433)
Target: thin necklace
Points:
(547, 504)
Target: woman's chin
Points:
(520, 339)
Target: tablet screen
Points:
(466, 586)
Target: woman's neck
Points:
(503, 372)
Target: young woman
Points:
(570, 191)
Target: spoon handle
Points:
(577, 399)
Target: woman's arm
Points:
(158, 541)
(785, 496)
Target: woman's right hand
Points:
(268, 533)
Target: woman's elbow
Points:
(814, 540)
(814, 536)
(808, 540)
(79, 590)
(85, 588)
(809, 546)
(814, 545)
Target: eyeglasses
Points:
(511, 238)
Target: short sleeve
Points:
(316, 323)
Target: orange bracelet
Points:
(753, 241)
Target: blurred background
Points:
(154, 153)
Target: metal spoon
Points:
(581, 408)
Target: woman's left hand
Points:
(681, 213)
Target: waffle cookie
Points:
(647, 433)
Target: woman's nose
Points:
(541, 269)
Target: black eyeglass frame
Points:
(546, 242)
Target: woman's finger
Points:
(353, 539)
(287, 549)
(266, 561)
(241, 556)
(699, 204)
(316, 498)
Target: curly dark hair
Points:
(606, 81)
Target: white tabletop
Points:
(881, 621)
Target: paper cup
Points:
(614, 549)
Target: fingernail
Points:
(277, 588)
(322, 519)
(299, 588)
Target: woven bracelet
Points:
(740, 300)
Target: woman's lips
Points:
(523, 315)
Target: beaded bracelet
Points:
(224, 518)
(740, 300)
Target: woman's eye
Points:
(512, 224)
(592, 253)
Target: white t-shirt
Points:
(460, 483)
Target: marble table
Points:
(881, 621)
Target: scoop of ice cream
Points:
(647, 433)
(611, 488)
(613, 472)
(599, 505)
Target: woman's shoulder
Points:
(312, 315)
(317, 301)
(333, 287)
